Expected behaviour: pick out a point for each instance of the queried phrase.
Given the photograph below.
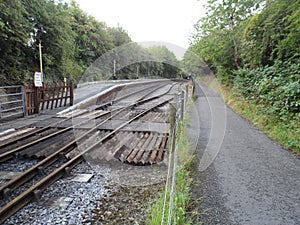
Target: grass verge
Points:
(159, 211)
(286, 132)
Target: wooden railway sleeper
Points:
(31, 133)
(141, 151)
(155, 150)
(37, 195)
(127, 152)
(27, 196)
(9, 154)
(31, 172)
(161, 150)
(145, 156)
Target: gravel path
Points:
(252, 180)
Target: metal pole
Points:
(41, 63)
(182, 105)
(114, 69)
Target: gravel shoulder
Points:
(252, 180)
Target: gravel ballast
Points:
(84, 195)
(117, 193)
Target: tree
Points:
(167, 64)
(119, 36)
(273, 34)
(71, 43)
(217, 34)
(14, 37)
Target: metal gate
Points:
(11, 102)
(18, 101)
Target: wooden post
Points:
(58, 95)
(23, 100)
(36, 100)
(186, 96)
(193, 85)
(42, 94)
(71, 93)
(62, 89)
(47, 91)
(53, 95)
(66, 94)
(182, 105)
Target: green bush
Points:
(277, 87)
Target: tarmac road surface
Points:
(252, 180)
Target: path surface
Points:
(252, 180)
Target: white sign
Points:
(38, 79)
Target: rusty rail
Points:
(24, 198)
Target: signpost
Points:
(38, 79)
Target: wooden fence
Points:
(41, 98)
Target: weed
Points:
(181, 195)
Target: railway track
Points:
(115, 129)
(11, 146)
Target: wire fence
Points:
(177, 109)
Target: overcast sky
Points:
(168, 21)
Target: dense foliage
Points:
(254, 46)
(71, 41)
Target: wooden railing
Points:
(41, 98)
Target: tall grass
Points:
(180, 200)
(159, 211)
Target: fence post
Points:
(36, 100)
(23, 99)
(58, 94)
(53, 95)
(172, 125)
(71, 93)
(186, 96)
(182, 105)
(42, 96)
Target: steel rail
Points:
(3, 144)
(9, 154)
(24, 198)
(128, 95)
(22, 178)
